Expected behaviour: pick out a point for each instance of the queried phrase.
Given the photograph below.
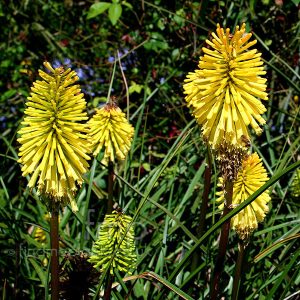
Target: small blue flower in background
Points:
(111, 59)
(81, 74)
(127, 61)
(56, 63)
(2, 122)
(123, 52)
(162, 80)
(90, 71)
(88, 89)
(67, 62)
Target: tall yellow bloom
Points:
(109, 129)
(249, 179)
(54, 145)
(224, 92)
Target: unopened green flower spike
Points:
(115, 247)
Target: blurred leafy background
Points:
(158, 43)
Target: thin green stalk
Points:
(142, 145)
(54, 253)
(110, 202)
(86, 206)
(238, 271)
(108, 99)
(223, 241)
(125, 83)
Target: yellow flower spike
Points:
(109, 129)
(250, 178)
(223, 93)
(53, 141)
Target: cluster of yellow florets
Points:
(110, 130)
(224, 92)
(250, 178)
(54, 145)
(56, 140)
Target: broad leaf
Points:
(97, 9)
(114, 13)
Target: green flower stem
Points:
(54, 253)
(86, 206)
(223, 241)
(238, 271)
(110, 187)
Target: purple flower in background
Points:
(162, 80)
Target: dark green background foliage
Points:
(159, 43)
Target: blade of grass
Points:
(283, 275)
(38, 270)
(275, 246)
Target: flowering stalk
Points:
(250, 177)
(223, 95)
(54, 148)
(114, 249)
(223, 241)
(54, 254)
(238, 271)
(110, 277)
(111, 133)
